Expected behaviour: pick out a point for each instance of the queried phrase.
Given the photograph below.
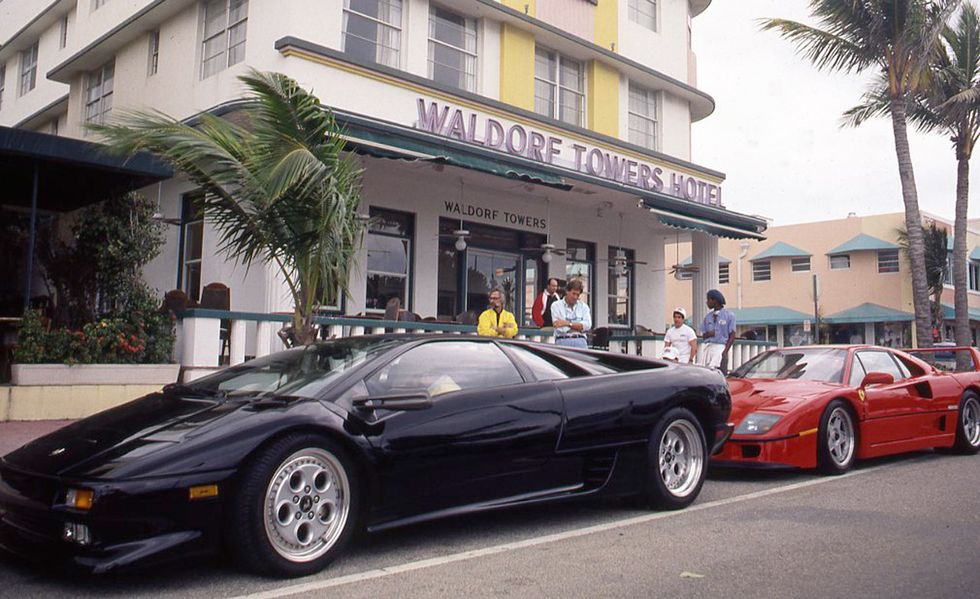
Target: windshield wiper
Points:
(192, 391)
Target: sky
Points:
(776, 130)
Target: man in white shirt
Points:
(571, 317)
(682, 338)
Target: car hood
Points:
(94, 445)
(770, 395)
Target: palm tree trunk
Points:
(960, 282)
(913, 225)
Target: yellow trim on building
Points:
(490, 110)
(516, 67)
(527, 7)
(607, 24)
(602, 98)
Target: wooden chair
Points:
(217, 296)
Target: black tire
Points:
(672, 483)
(837, 439)
(260, 534)
(968, 425)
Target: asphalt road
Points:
(907, 526)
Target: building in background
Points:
(558, 124)
(864, 285)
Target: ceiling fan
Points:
(459, 235)
(679, 268)
(620, 262)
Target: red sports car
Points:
(825, 406)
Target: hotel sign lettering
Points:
(518, 140)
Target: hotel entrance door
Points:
(488, 269)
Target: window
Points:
(724, 275)
(541, 368)
(762, 270)
(98, 94)
(63, 33)
(452, 49)
(579, 264)
(3, 82)
(225, 23)
(799, 264)
(559, 87)
(887, 261)
(191, 247)
(857, 373)
(643, 117)
(372, 30)
(28, 69)
(389, 259)
(973, 268)
(842, 262)
(644, 13)
(880, 361)
(475, 365)
(620, 286)
(153, 60)
(948, 273)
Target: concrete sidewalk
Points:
(13, 434)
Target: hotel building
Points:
(528, 124)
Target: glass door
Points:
(487, 269)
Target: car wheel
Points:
(968, 425)
(296, 507)
(676, 456)
(836, 439)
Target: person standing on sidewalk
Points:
(541, 310)
(571, 317)
(682, 338)
(495, 321)
(718, 332)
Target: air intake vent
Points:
(596, 469)
(751, 451)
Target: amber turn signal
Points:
(80, 499)
(202, 491)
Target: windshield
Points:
(300, 372)
(817, 364)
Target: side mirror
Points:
(877, 378)
(398, 402)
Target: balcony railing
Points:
(211, 339)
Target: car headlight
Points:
(757, 423)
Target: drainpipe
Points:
(743, 250)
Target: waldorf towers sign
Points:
(518, 140)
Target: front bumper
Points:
(135, 522)
(794, 451)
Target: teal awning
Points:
(949, 313)
(721, 260)
(862, 243)
(975, 254)
(773, 315)
(868, 312)
(781, 250)
(695, 224)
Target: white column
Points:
(704, 253)
(237, 342)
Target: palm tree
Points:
(937, 267)
(895, 37)
(948, 102)
(278, 187)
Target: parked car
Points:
(282, 458)
(827, 406)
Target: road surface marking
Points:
(516, 545)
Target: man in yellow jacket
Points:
(495, 321)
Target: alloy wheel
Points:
(681, 458)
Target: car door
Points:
(890, 410)
(487, 435)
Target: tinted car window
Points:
(443, 367)
(857, 373)
(807, 364)
(879, 361)
(541, 368)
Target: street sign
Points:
(806, 326)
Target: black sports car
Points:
(280, 459)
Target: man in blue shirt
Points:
(571, 317)
(718, 331)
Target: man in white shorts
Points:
(682, 338)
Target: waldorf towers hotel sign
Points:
(518, 140)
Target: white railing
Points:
(211, 339)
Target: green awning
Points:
(773, 315)
(868, 312)
(694, 224)
(949, 313)
(862, 243)
(781, 250)
(975, 254)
